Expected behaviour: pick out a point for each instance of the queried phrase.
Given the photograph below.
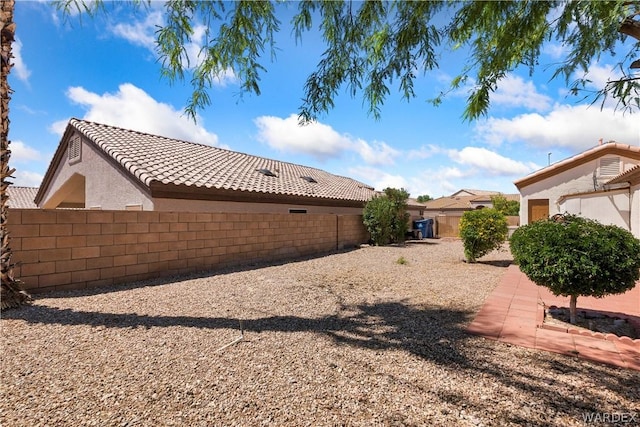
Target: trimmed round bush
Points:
(482, 231)
(575, 256)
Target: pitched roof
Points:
(472, 192)
(593, 153)
(464, 202)
(160, 163)
(22, 197)
(632, 176)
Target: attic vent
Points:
(74, 149)
(266, 172)
(609, 166)
(309, 179)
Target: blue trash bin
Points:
(428, 228)
(421, 225)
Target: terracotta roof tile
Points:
(170, 161)
(22, 197)
(465, 202)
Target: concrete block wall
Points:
(76, 249)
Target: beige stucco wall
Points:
(579, 179)
(105, 186)
(610, 208)
(184, 205)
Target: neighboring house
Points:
(97, 166)
(22, 197)
(462, 201)
(601, 183)
(447, 211)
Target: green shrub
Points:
(482, 231)
(575, 256)
(386, 217)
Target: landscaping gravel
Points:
(371, 336)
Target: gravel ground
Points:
(350, 339)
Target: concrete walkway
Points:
(514, 314)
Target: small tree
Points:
(482, 231)
(423, 198)
(504, 206)
(386, 216)
(574, 256)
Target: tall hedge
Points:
(386, 217)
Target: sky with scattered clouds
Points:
(106, 69)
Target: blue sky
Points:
(106, 70)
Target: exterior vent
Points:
(609, 166)
(266, 172)
(309, 179)
(75, 149)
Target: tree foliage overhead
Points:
(373, 47)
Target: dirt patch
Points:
(594, 321)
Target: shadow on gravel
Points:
(434, 334)
(427, 333)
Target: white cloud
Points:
(22, 153)
(555, 50)
(575, 127)
(143, 33)
(133, 108)
(376, 153)
(19, 67)
(319, 140)
(598, 75)
(287, 135)
(140, 33)
(513, 91)
(27, 178)
(490, 162)
(377, 178)
(424, 152)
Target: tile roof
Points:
(593, 153)
(154, 159)
(464, 202)
(22, 197)
(631, 176)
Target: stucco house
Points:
(601, 183)
(97, 166)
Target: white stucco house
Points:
(601, 183)
(97, 166)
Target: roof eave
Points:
(584, 157)
(186, 192)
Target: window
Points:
(609, 166)
(298, 211)
(75, 149)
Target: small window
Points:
(75, 149)
(266, 172)
(609, 166)
(298, 211)
(309, 179)
(136, 207)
